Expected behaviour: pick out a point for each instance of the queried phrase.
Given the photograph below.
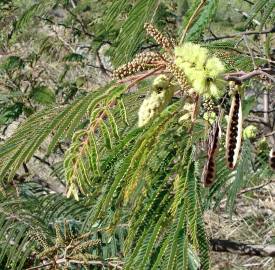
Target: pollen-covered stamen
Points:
(234, 131)
(167, 43)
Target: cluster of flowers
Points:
(203, 71)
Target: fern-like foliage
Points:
(132, 32)
(202, 21)
(264, 7)
(134, 197)
(37, 9)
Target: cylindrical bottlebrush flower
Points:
(163, 41)
(159, 98)
(203, 71)
(234, 131)
(141, 62)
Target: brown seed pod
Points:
(165, 42)
(272, 158)
(209, 169)
(179, 75)
(234, 132)
(141, 62)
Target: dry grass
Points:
(253, 222)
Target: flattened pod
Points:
(209, 169)
(234, 132)
(272, 158)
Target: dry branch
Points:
(242, 249)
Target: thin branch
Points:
(134, 79)
(258, 121)
(270, 111)
(81, 23)
(266, 106)
(73, 3)
(247, 16)
(191, 20)
(256, 187)
(270, 134)
(239, 77)
(249, 2)
(240, 34)
(93, 262)
(242, 249)
(249, 50)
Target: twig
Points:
(256, 187)
(82, 25)
(266, 106)
(73, 3)
(239, 77)
(249, 50)
(94, 262)
(242, 249)
(136, 78)
(249, 2)
(241, 34)
(270, 111)
(258, 121)
(245, 190)
(194, 15)
(270, 134)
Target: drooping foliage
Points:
(135, 147)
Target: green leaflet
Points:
(106, 134)
(123, 111)
(203, 19)
(113, 124)
(113, 11)
(21, 146)
(132, 31)
(37, 9)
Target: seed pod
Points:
(234, 132)
(165, 42)
(209, 169)
(141, 62)
(272, 158)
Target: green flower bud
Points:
(250, 132)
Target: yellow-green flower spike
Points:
(159, 98)
(203, 71)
